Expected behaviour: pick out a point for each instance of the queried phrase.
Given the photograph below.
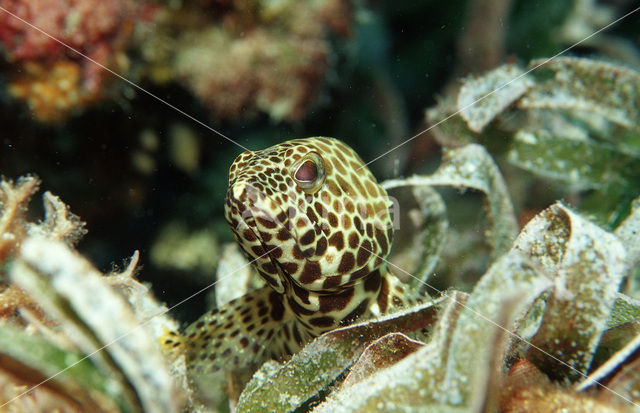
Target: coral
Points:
(256, 57)
(51, 78)
(52, 90)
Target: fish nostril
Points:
(239, 191)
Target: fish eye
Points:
(309, 172)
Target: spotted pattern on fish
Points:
(316, 226)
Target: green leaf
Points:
(32, 360)
(584, 163)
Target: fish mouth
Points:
(261, 215)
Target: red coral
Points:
(96, 28)
(85, 25)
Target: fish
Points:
(317, 227)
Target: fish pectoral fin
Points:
(240, 334)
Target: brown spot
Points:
(335, 302)
(383, 296)
(337, 240)
(262, 311)
(358, 184)
(321, 246)
(346, 263)
(356, 275)
(320, 209)
(349, 206)
(371, 189)
(337, 163)
(266, 222)
(334, 189)
(369, 230)
(301, 293)
(246, 319)
(358, 224)
(275, 252)
(396, 301)
(344, 185)
(372, 283)
(234, 333)
(354, 240)
(356, 313)
(244, 342)
(322, 321)
(291, 211)
(337, 206)
(346, 222)
(297, 308)
(333, 220)
(249, 235)
(308, 237)
(290, 267)
(226, 353)
(331, 283)
(268, 267)
(281, 217)
(258, 250)
(251, 327)
(277, 309)
(364, 252)
(283, 235)
(297, 253)
(200, 325)
(212, 356)
(310, 272)
(381, 239)
(260, 332)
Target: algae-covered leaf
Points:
(604, 89)
(512, 284)
(96, 318)
(449, 369)
(376, 391)
(629, 233)
(322, 361)
(483, 98)
(587, 265)
(582, 163)
(625, 309)
(428, 229)
(32, 361)
(472, 167)
(383, 352)
(448, 129)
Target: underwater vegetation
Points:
(519, 204)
